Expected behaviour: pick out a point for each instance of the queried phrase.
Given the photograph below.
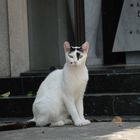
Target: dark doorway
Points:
(111, 10)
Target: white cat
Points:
(59, 100)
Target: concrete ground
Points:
(94, 131)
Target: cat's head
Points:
(76, 55)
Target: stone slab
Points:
(4, 46)
(18, 36)
(128, 32)
(95, 131)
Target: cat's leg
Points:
(62, 123)
(79, 105)
(41, 121)
(62, 120)
(41, 116)
(71, 108)
(58, 123)
(68, 121)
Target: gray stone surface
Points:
(14, 49)
(128, 32)
(132, 57)
(18, 36)
(43, 34)
(93, 31)
(65, 31)
(49, 27)
(95, 131)
(4, 48)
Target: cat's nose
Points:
(75, 62)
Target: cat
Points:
(59, 99)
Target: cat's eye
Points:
(70, 56)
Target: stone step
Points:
(118, 80)
(94, 105)
(110, 91)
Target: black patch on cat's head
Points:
(78, 55)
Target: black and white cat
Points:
(59, 99)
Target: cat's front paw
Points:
(86, 122)
(78, 123)
(82, 122)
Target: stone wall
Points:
(14, 50)
(4, 45)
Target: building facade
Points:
(32, 33)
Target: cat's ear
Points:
(85, 47)
(66, 46)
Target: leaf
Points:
(117, 119)
(29, 93)
(7, 94)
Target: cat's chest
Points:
(76, 80)
(74, 85)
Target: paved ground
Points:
(95, 131)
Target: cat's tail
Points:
(17, 125)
